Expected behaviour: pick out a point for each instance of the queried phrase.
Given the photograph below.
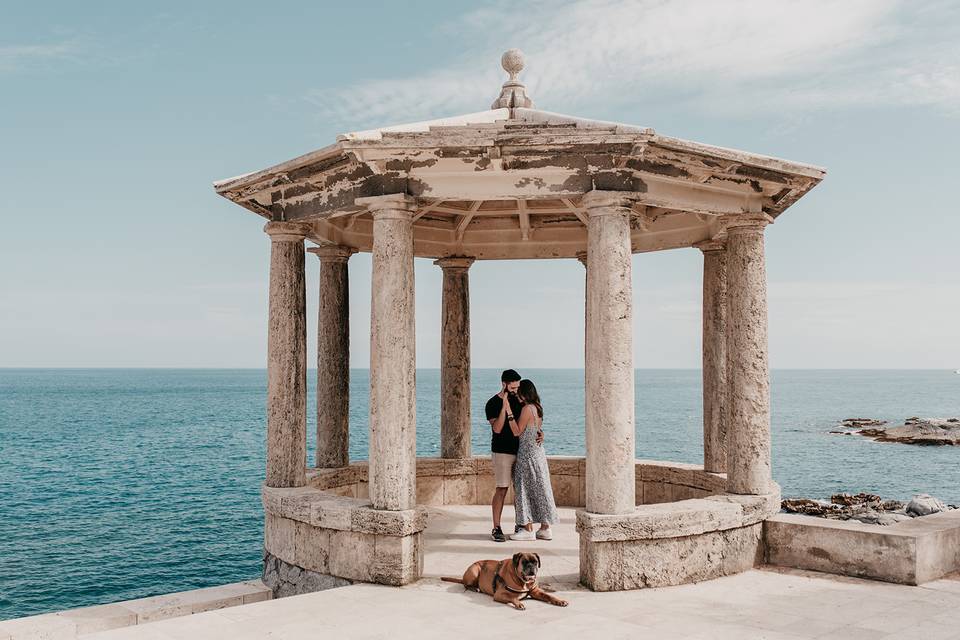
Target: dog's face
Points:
(526, 565)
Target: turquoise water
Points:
(118, 484)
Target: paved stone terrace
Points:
(758, 604)
(456, 536)
(765, 603)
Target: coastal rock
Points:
(914, 430)
(809, 507)
(845, 499)
(868, 508)
(859, 423)
(867, 516)
(887, 519)
(924, 505)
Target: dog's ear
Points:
(516, 560)
(537, 556)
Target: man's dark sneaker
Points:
(497, 535)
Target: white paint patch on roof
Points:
(536, 115)
(480, 117)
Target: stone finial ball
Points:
(512, 61)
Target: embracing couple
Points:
(516, 416)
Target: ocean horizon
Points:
(119, 483)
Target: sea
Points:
(124, 483)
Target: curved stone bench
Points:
(673, 543)
(327, 533)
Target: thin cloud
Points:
(739, 57)
(18, 57)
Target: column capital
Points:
(286, 231)
(582, 257)
(398, 206)
(454, 262)
(707, 246)
(598, 203)
(332, 252)
(745, 222)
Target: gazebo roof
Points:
(507, 182)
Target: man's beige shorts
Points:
(503, 468)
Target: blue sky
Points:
(115, 118)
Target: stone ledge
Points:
(912, 552)
(74, 622)
(665, 520)
(316, 507)
(755, 508)
(678, 519)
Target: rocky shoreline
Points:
(915, 430)
(867, 508)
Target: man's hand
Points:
(540, 437)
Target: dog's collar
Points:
(497, 578)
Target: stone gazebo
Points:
(508, 183)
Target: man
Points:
(500, 408)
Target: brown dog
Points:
(509, 581)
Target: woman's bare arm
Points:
(526, 418)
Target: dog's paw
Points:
(520, 606)
(562, 603)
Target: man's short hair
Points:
(510, 376)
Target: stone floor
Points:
(459, 535)
(764, 604)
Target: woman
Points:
(533, 495)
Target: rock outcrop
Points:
(915, 430)
(859, 423)
(924, 505)
(868, 508)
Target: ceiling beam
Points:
(580, 213)
(524, 219)
(427, 209)
(465, 220)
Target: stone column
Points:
(333, 357)
(393, 462)
(582, 258)
(714, 356)
(748, 413)
(455, 358)
(287, 358)
(610, 422)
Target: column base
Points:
(342, 538)
(673, 543)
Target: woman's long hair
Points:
(528, 393)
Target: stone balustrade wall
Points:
(470, 481)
